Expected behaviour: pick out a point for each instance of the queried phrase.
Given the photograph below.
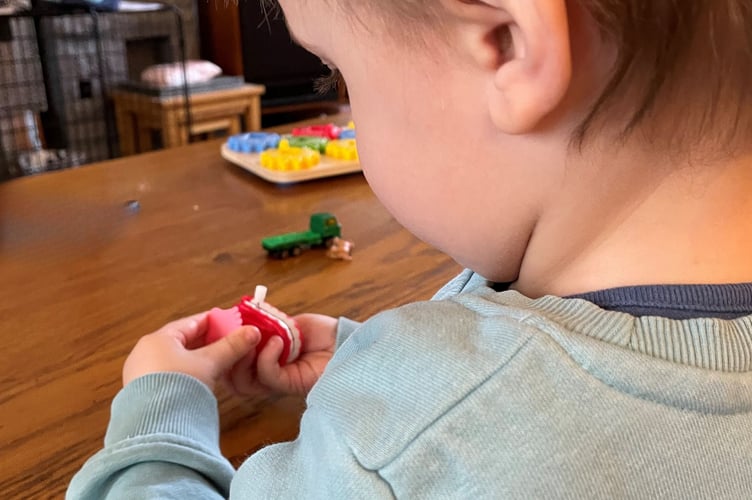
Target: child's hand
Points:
(178, 347)
(319, 339)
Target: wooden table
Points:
(139, 115)
(84, 276)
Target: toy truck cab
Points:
(326, 225)
(323, 228)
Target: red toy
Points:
(268, 319)
(329, 131)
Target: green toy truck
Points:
(323, 229)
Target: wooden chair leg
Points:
(172, 136)
(252, 114)
(234, 127)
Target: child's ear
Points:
(524, 46)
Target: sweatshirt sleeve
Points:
(162, 442)
(345, 328)
(320, 464)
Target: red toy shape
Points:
(268, 319)
(329, 131)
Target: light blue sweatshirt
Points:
(475, 394)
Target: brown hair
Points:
(687, 61)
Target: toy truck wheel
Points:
(295, 251)
(328, 242)
(283, 254)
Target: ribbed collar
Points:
(676, 301)
(708, 343)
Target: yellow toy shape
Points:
(288, 158)
(344, 149)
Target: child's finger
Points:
(188, 329)
(320, 331)
(230, 349)
(241, 379)
(268, 371)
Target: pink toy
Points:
(329, 131)
(268, 319)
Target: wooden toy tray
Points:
(328, 167)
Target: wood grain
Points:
(84, 276)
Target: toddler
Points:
(588, 162)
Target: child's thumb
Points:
(230, 349)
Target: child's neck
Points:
(631, 220)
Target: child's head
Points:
(474, 115)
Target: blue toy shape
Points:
(253, 142)
(347, 133)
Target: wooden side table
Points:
(139, 115)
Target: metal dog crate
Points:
(58, 64)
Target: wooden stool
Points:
(139, 115)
